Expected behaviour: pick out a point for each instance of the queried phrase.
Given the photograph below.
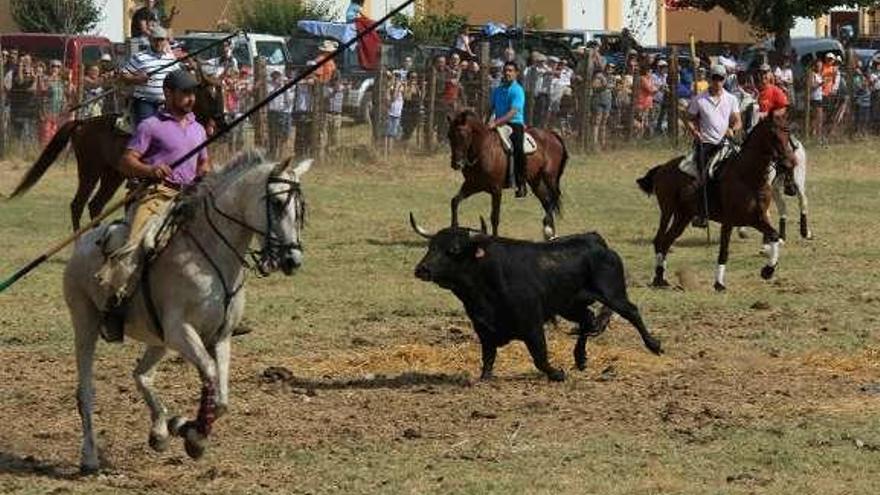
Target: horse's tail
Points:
(555, 191)
(646, 183)
(47, 158)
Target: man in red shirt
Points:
(771, 98)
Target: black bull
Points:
(511, 288)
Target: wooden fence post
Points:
(317, 124)
(587, 102)
(432, 110)
(633, 101)
(380, 90)
(261, 120)
(808, 101)
(672, 97)
(485, 98)
(80, 90)
(4, 114)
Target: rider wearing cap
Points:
(772, 100)
(160, 140)
(714, 117)
(146, 71)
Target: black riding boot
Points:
(517, 139)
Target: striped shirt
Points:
(148, 62)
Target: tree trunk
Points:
(782, 46)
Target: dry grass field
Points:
(358, 378)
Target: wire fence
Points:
(594, 105)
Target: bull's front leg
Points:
(490, 350)
(537, 346)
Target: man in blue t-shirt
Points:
(508, 102)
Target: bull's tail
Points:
(554, 188)
(47, 158)
(646, 183)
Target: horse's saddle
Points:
(688, 164)
(504, 132)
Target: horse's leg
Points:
(723, 252)
(773, 238)
(85, 324)
(184, 339)
(542, 191)
(659, 254)
(222, 352)
(110, 182)
(781, 207)
(464, 192)
(84, 190)
(495, 217)
(143, 377)
(800, 180)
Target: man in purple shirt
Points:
(159, 141)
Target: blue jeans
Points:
(141, 110)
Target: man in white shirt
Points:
(146, 71)
(714, 118)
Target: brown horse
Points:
(740, 196)
(98, 145)
(478, 152)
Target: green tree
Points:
(279, 17)
(776, 17)
(55, 16)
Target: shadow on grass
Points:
(417, 243)
(28, 465)
(277, 374)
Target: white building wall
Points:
(646, 28)
(380, 8)
(585, 14)
(112, 23)
(804, 27)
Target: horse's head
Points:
(209, 102)
(461, 136)
(265, 200)
(773, 135)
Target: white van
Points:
(245, 48)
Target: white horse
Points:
(750, 112)
(191, 297)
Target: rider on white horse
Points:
(772, 100)
(159, 140)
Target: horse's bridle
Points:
(268, 257)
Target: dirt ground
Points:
(357, 378)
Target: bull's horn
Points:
(417, 229)
(483, 227)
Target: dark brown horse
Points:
(477, 151)
(740, 196)
(98, 145)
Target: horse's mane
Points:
(239, 164)
(465, 116)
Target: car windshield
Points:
(239, 52)
(273, 51)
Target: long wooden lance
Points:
(280, 91)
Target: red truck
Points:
(72, 51)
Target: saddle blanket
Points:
(688, 164)
(530, 146)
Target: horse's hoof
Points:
(194, 443)
(88, 470)
(660, 283)
(158, 443)
(556, 375)
(805, 233)
(743, 234)
(719, 287)
(767, 272)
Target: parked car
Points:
(806, 49)
(245, 48)
(72, 51)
